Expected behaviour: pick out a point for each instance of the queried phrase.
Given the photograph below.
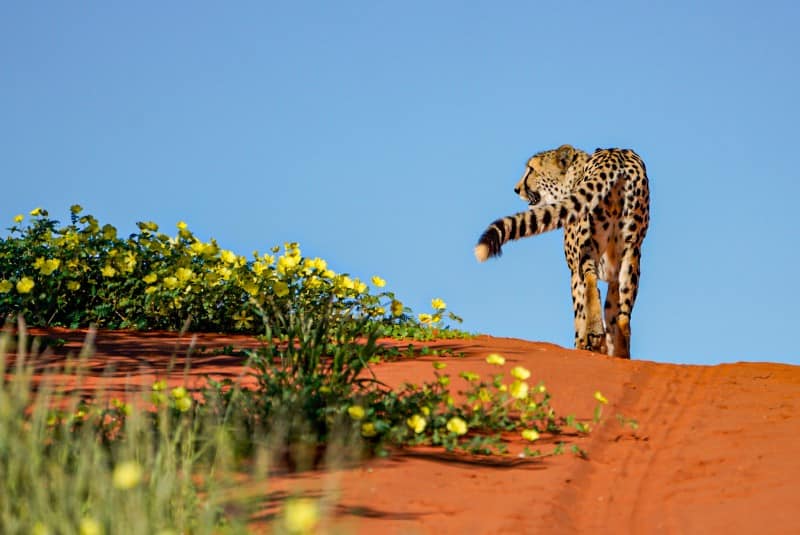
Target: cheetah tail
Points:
(522, 225)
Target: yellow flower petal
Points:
(518, 372)
(495, 359)
(530, 434)
(356, 412)
(457, 425)
(127, 475)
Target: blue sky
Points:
(384, 137)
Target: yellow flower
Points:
(518, 372)
(426, 411)
(184, 274)
(242, 320)
(301, 516)
(228, 256)
(360, 287)
(73, 285)
(281, 289)
(356, 412)
(518, 389)
(444, 380)
(368, 430)
(109, 232)
(150, 278)
(122, 406)
(5, 286)
(76, 209)
(287, 263)
(417, 423)
(397, 308)
(495, 359)
(150, 289)
(36, 211)
(90, 526)
(197, 247)
(250, 287)
(108, 271)
(25, 285)
(457, 425)
(170, 283)
(530, 435)
(484, 395)
(49, 266)
(19, 218)
(378, 282)
(183, 404)
(159, 385)
(127, 475)
(600, 397)
(438, 304)
(259, 268)
(128, 263)
(425, 318)
(439, 365)
(179, 392)
(181, 225)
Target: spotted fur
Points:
(603, 202)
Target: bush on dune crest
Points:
(84, 273)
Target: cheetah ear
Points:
(564, 154)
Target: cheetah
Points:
(603, 202)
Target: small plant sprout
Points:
(598, 410)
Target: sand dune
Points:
(715, 450)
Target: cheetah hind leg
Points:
(616, 341)
(578, 309)
(595, 338)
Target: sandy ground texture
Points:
(716, 449)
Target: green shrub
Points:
(85, 274)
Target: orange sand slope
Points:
(715, 450)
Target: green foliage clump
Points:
(85, 274)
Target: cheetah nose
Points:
(516, 190)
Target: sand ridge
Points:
(714, 452)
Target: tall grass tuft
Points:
(70, 465)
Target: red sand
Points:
(715, 451)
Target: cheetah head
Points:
(549, 175)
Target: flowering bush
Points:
(84, 273)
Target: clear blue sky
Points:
(385, 136)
